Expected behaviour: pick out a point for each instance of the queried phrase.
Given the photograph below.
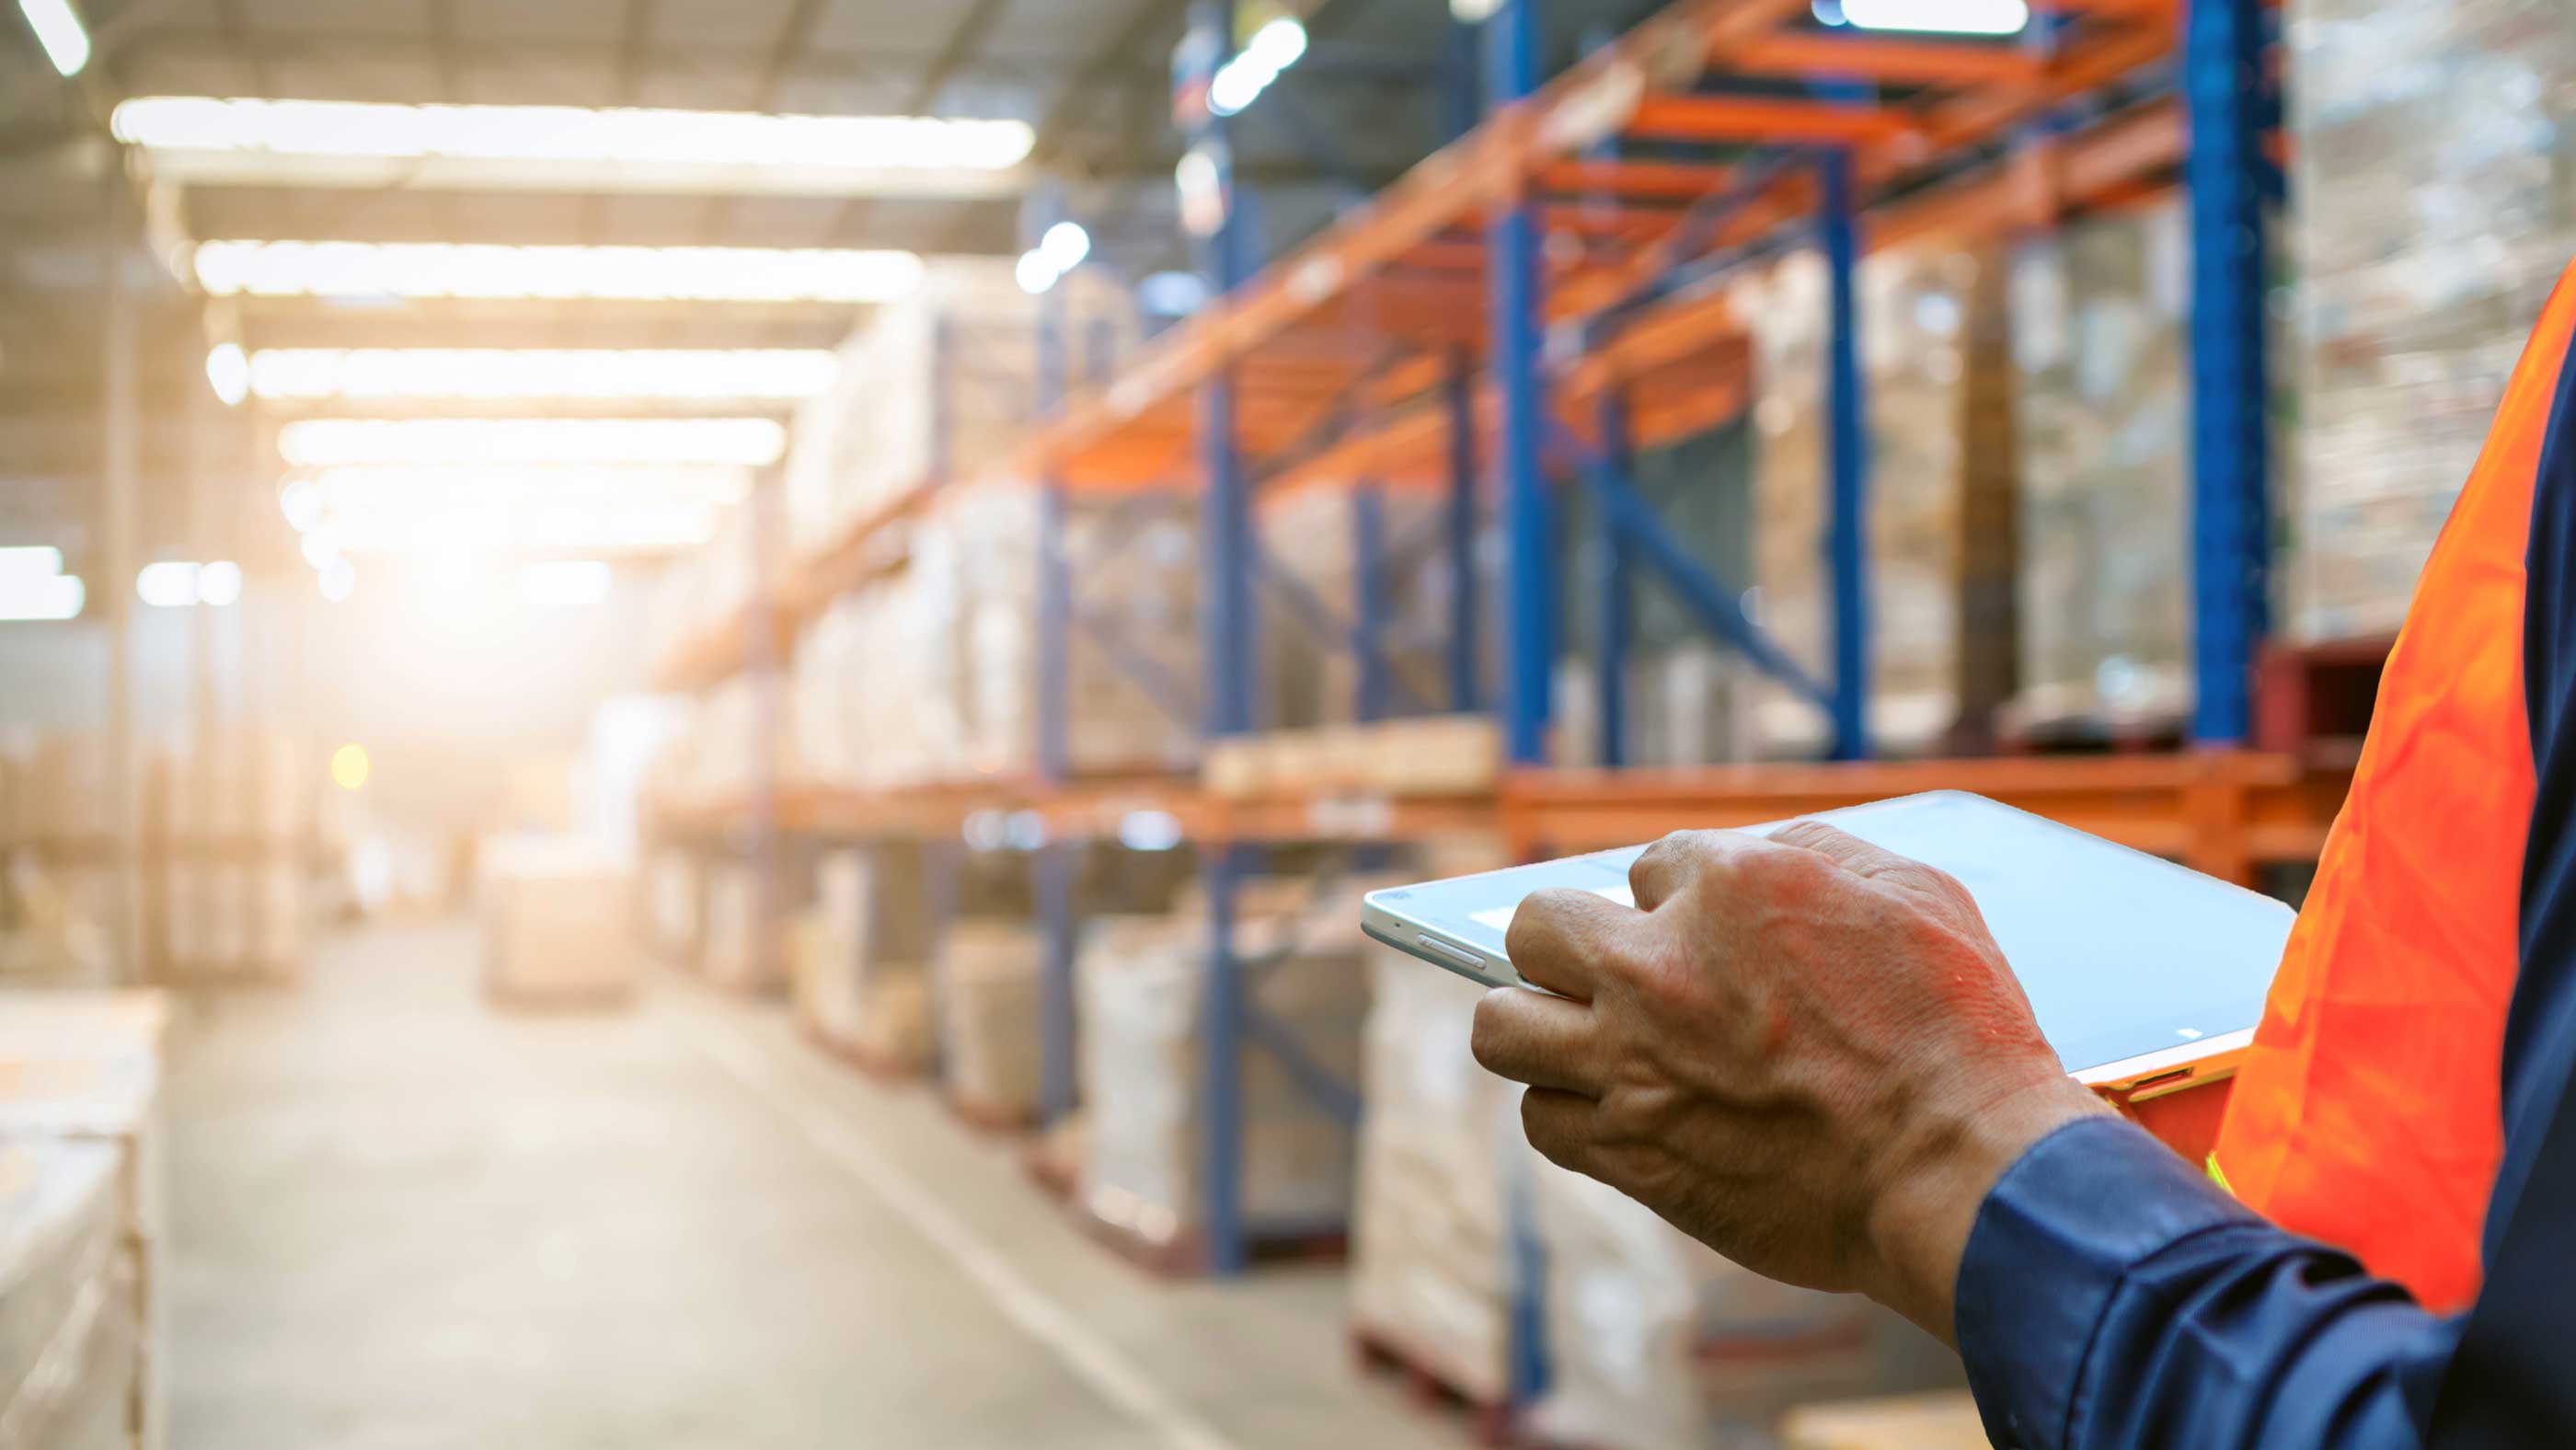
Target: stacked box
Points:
(862, 980)
(1655, 1342)
(1142, 986)
(236, 814)
(80, 1189)
(2098, 318)
(2437, 209)
(931, 674)
(989, 1033)
(1912, 308)
(1431, 1263)
(544, 902)
(937, 385)
(1312, 537)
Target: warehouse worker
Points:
(1810, 1054)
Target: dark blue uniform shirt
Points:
(2112, 1296)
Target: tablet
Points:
(2145, 976)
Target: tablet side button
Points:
(1441, 948)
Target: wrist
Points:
(1940, 1172)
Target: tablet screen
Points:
(2121, 953)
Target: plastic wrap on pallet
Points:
(2099, 345)
(544, 904)
(70, 1370)
(1654, 1342)
(931, 674)
(2436, 210)
(1312, 535)
(1141, 986)
(862, 980)
(81, 1070)
(1431, 1264)
(988, 1018)
(936, 385)
(1912, 311)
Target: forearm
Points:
(2110, 1296)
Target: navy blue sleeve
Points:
(2111, 1297)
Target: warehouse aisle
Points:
(403, 1220)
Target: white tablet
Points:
(2145, 976)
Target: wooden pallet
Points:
(1381, 1355)
(984, 1116)
(875, 1066)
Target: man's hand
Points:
(1804, 1051)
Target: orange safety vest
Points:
(2369, 1111)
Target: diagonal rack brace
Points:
(1718, 607)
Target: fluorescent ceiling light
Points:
(228, 373)
(169, 584)
(528, 526)
(350, 489)
(34, 588)
(301, 501)
(650, 274)
(337, 580)
(567, 134)
(59, 31)
(1032, 273)
(508, 442)
(1065, 245)
(564, 583)
(1272, 49)
(317, 373)
(219, 583)
(1945, 17)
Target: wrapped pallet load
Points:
(861, 961)
(1654, 1342)
(988, 1020)
(81, 1220)
(1911, 313)
(1431, 1264)
(935, 385)
(1313, 537)
(2441, 214)
(2098, 318)
(548, 906)
(1142, 986)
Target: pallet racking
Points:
(1536, 300)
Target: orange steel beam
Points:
(1662, 180)
(1873, 58)
(1735, 118)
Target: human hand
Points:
(1806, 1052)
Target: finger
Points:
(1559, 1126)
(1673, 863)
(1563, 939)
(1534, 1038)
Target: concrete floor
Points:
(402, 1220)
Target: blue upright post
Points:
(1464, 664)
(1511, 71)
(2230, 378)
(1617, 614)
(1368, 584)
(1847, 404)
(1052, 867)
(1228, 638)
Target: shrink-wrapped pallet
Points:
(1911, 313)
(1431, 1261)
(1312, 538)
(989, 1031)
(547, 904)
(70, 1367)
(2098, 319)
(671, 904)
(80, 1079)
(1142, 985)
(935, 385)
(2436, 209)
(862, 982)
(1654, 1342)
